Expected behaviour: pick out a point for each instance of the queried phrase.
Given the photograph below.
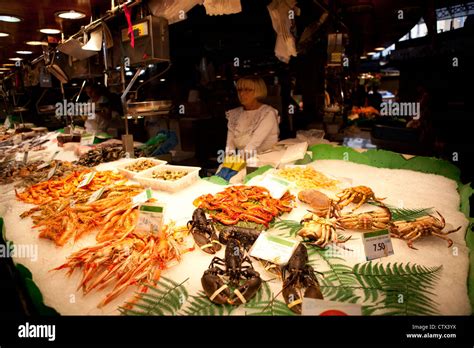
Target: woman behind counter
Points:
(254, 125)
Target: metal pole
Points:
(124, 96)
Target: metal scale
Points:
(151, 46)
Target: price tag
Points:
(313, 306)
(51, 173)
(273, 248)
(277, 186)
(86, 180)
(142, 197)
(96, 195)
(377, 244)
(150, 218)
(25, 157)
(87, 139)
(19, 156)
(54, 156)
(44, 165)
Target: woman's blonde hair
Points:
(255, 83)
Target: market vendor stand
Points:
(374, 158)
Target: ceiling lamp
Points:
(4, 34)
(24, 52)
(370, 53)
(50, 31)
(36, 43)
(4, 69)
(71, 14)
(363, 57)
(15, 58)
(9, 19)
(379, 48)
(8, 64)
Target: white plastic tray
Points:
(131, 174)
(145, 178)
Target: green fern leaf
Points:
(164, 298)
(405, 214)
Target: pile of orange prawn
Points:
(113, 214)
(47, 191)
(130, 260)
(245, 203)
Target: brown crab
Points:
(320, 204)
(371, 220)
(319, 230)
(423, 226)
(358, 195)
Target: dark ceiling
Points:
(370, 23)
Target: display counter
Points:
(434, 279)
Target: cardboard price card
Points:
(96, 195)
(87, 139)
(377, 244)
(86, 180)
(150, 218)
(274, 249)
(312, 306)
(276, 185)
(142, 197)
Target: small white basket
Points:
(145, 178)
(130, 174)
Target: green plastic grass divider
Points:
(259, 171)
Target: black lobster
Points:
(204, 232)
(300, 275)
(238, 268)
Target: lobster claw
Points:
(292, 297)
(247, 290)
(214, 287)
(209, 246)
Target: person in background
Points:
(104, 117)
(254, 125)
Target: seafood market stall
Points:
(364, 233)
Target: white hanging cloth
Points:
(222, 7)
(282, 13)
(173, 10)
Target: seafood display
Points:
(320, 204)
(171, 175)
(113, 214)
(421, 227)
(372, 220)
(308, 178)
(358, 195)
(130, 260)
(319, 231)
(140, 165)
(103, 154)
(47, 191)
(244, 203)
(25, 174)
(298, 276)
(18, 143)
(239, 273)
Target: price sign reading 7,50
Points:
(377, 244)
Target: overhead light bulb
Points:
(24, 52)
(3, 34)
(9, 19)
(36, 43)
(50, 31)
(70, 14)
